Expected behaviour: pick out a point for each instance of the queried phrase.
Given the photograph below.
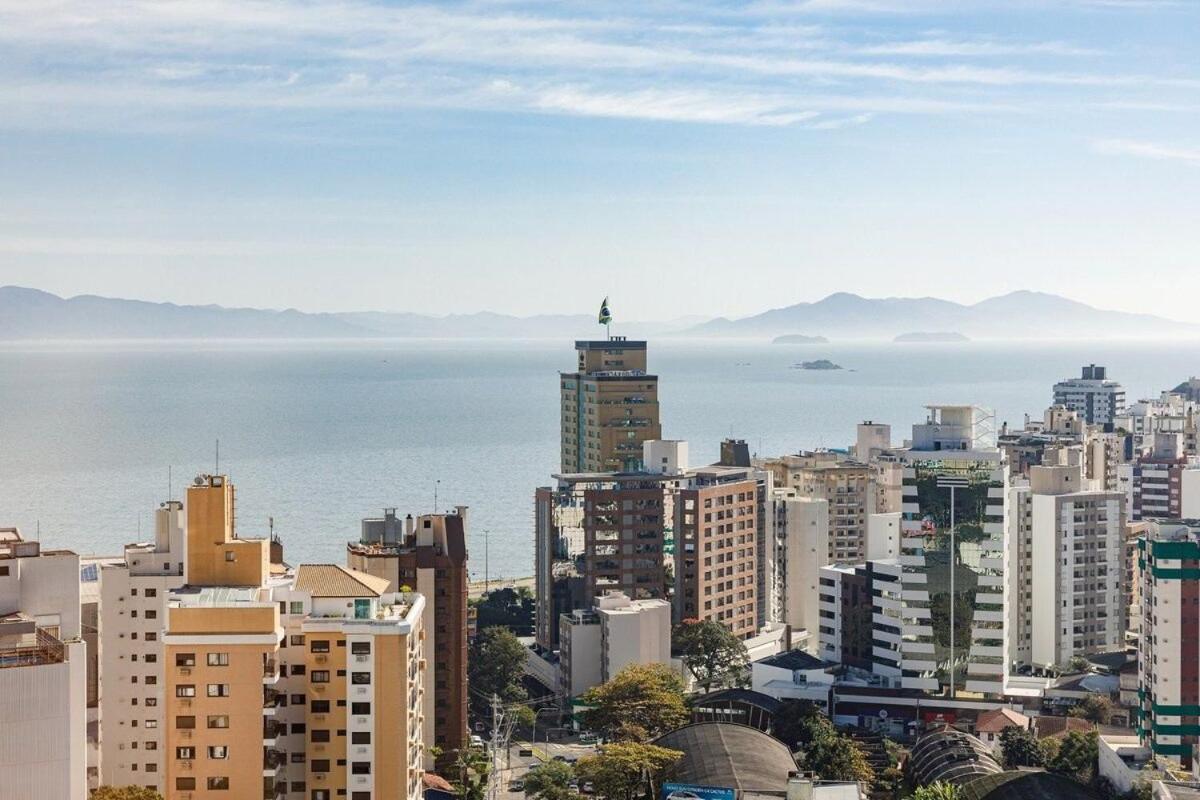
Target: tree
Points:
(1094, 708)
(1079, 664)
(938, 790)
(124, 793)
(1077, 756)
(798, 722)
(641, 702)
(711, 652)
(549, 781)
(471, 773)
(494, 667)
(836, 757)
(1020, 748)
(626, 769)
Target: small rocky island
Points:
(822, 363)
(799, 338)
(931, 336)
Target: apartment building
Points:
(615, 633)
(133, 597)
(1154, 483)
(800, 527)
(609, 407)
(716, 558)
(1096, 398)
(599, 533)
(1075, 567)
(952, 553)
(43, 673)
(428, 554)
(1169, 651)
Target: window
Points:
(360, 768)
(218, 751)
(185, 690)
(218, 690)
(320, 794)
(151, 614)
(185, 659)
(360, 709)
(319, 707)
(133, 592)
(319, 646)
(185, 723)
(151, 636)
(151, 701)
(297, 607)
(320, 676)
(298, 699)
(360, 737)
(152, 723)
(362, 608)
(150, 680)
(319, 765)
(218, 659)
(297, 639)
(3, 572)
(360, 648)
(151, 745)
(218, 784)
(298, 727)
(229, 556)
(360, 678)
(185, 784)
(133, 614)
(218, 721)
(150, 658)
(152, 767)
(186, 753)
(151, 593)
(319, 735)
(297, 669)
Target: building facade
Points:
(43, 673)
(1096, 398)
(615, 633)
(609, 407)
(428, 555)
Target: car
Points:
(587, 787)
(573, 783)
(517, 786)
(476, 740)
(589, 738)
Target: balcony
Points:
(271, 672)
(31, 646)
(272, 730)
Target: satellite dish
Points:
(199, 480)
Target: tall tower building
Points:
(428, 555)
(609, 407)
(952, 567)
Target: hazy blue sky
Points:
(713, 158)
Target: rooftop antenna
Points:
(170, 484)
(271, 527)
(436, 484)
(217, 467)
(38, 530)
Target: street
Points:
(519, 766)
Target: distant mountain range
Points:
(34, 314)
(1018, 315)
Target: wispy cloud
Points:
(1152, 150)
(658, 62)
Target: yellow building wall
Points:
(215, 556)
(333, 721)
(243, 708)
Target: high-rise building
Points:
(954, 509)
(1169, 653)
(716, 548)
(133, 599)
(43, 673)
(1155, 482)
(1097, 399)
(800, 527)
(1075, 603)
(609, 407)
(429, 555)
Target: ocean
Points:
(319, 434)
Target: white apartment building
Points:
(1074, 567)
(801, 538)
(133, 603)
(616, 632)
(1098, 400)
(43, 673)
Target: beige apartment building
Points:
(615, 633)
(716, 539)
(609, 407)
(43, 673)
(252, 680)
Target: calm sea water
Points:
(318, 435)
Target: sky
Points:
(527, 157)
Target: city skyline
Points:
(526, 158)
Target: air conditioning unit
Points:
(321, 659)
(185, 670)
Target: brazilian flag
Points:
(605, 315)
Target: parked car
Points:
(517, 786)
(587, 788)
(589, 738)
(476, 740)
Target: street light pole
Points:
(486, 572)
